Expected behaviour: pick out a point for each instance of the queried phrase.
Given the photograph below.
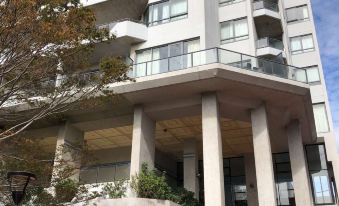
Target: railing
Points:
(265, 4)
(105, 173)
(111, 25)
(270, 42)
(222, 56)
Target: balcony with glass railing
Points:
(222, 56)
(270, 42)
(269, 47)
(264, 4)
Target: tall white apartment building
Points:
(229, 99)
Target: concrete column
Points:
(263, 158)
(191, 181)
(68, 151)
(212, 152)
(301, 182)
(143, 144)
(251, 180)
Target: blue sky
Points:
(326, 15)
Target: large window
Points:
(234, 30)
(313, 74)
(283, 179)
(235, 181)
(302, 44)
(167, 58)
(322, 182)
(166, 11)
(320, 117)
(299, 13)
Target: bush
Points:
(66, 190)
(116, 190)
(147, 184)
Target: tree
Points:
(27, 154)
(44, 50)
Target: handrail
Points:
(121, 20)
(277, 68)
(269, 60)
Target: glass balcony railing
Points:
(222, 56)
(266, 5)
(105, 173)
(270, 42)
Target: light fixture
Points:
(18, 182)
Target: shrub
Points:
(115, 190)
(147, 184)
(66, 190)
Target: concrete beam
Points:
(191, 181)
(251, 180)
(212, 152)
(263, 157)
(301, 182)
(143, 141)
(68, 151)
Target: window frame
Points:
(169, 19)
(234, 38)
(302, 50)
(297, 20)
(310, 67)
(327, 120)
(333, 195)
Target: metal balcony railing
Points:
(222, 56)
(270, 42)
(265, 4)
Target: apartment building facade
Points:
(216, 102)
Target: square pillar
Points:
(251, 180)
(263, 157)
(143, 141)
(70, 141)
(300, 175)
(212, 152)
(191, 182)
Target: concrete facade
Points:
(205, 99)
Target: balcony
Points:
(222, 56)
(267, 18)
(127, 30)
(113, 10)
(269, 47)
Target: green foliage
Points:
(147, 184)
(66, 190)
(115, 190)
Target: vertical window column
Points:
(323, 190)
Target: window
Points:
(167, 58)
(322, 184)
(166, 11)
(235, 181)
(302, 44)
(283, 179)
(234, 30)
(299, 13)
(226, 2)
(320, 117)
(313, 74)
